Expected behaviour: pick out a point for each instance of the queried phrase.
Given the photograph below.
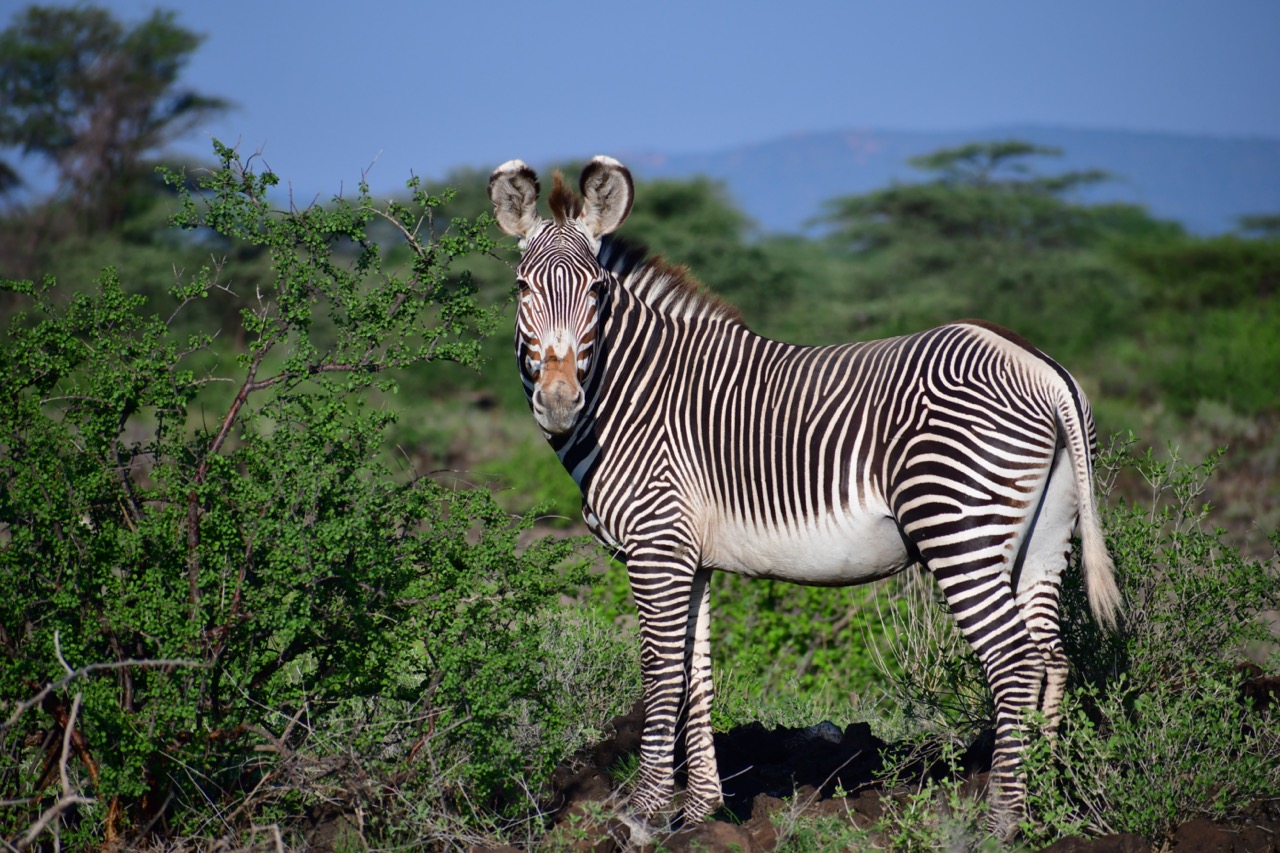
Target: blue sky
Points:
(326, 89)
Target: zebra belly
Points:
(826, 551)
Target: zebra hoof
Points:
(643, 833)
(1004, 826)
(697, 810)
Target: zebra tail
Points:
(1099, 570)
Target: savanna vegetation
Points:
(281, 548)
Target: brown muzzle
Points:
(557, 395)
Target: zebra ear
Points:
(607, 193)
(513, 189)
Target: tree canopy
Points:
(985, 191)
(989, 234)
(96, 99)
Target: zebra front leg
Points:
(662, 585)
(703, 795)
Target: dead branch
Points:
(70, 798)
(72, 675)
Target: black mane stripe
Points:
(667, 288)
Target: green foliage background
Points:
(279, 538)
(279, 581)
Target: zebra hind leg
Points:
(1044, 563)
(982, 603)
(1039, 607)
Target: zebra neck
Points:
(669, 289)
(649, 362)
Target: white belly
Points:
(829, 551)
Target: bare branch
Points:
(69, 797)
(66, 744)
(64, 802)
(23, 707)
(57, 650)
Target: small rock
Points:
(762, 832)
(825, 730)
(1126, 842)
(712, 836)
(865, 809)
(1203, 836)
(764, 807)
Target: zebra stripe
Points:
(700, 445)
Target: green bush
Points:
(1156, 730)
(939, 816)
(1228, 355)
(232, 609)
(1146, 757)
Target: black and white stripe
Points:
(702, 446)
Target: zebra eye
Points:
(597, 287)
(522, 285)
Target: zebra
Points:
(699, 446)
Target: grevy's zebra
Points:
(700, 445)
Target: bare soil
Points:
(769, 776)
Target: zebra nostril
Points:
(556, 404)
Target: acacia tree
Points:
(983, 191)
(97, 99)
(989, 234)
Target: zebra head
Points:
(560, 281)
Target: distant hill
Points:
(1204, 182)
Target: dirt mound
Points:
(769, 776)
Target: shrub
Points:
(230, 606)
(938, 816)
(1155, 729)
(1224, 354)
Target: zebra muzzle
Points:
(557, 397)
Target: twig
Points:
(57, 650)
(66, 744)
(23, 707)
(65, 802)
(278, 745)
(69, 797)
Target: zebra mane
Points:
(563, 201)
(667, 288)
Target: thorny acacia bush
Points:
(1156, 730)
(241, 610)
